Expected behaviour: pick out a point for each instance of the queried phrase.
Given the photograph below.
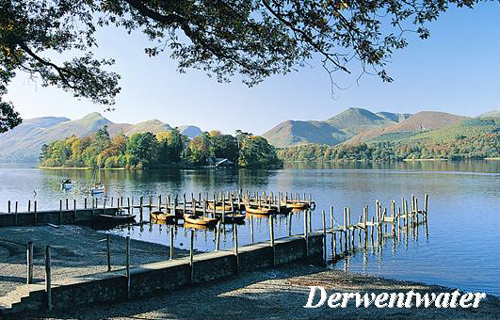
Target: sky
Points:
(456, 70)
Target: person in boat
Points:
(66, 181)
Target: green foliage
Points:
(465, 147)
(165, 149)
(256, 152)
(253, 38)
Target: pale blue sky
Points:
(457, 70)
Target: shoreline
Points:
(277, 293)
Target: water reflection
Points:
(461, 249)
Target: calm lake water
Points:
(462, 248)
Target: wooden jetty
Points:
(127, 282)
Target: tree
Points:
(255, 38)
(256, 152)
(142, 149)
(199, 149)
(224, 146)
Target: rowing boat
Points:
(259, 210)
(159, 216)
(232, 218)
(199, 220)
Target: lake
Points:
(462, 248)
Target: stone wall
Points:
(161, 277)
(53, 216)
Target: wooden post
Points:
(289, 223)
(85, 203)
(29, 262)
(60, 211)
(306, 234)
(217, 236)
(67, 204)
(324, 237)
(15, 212)
(191, 256)
(74, 210)
(108, 249)
(8, 206)
(48, 278)
(127, 251)
(36, 214)
(251, 229)
(29, 205)
(171, 228)
(426, 204)
(331, 219)
(345, 230)
(235, 228)
(271, 230)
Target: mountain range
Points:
(23, 143)
(356, 125)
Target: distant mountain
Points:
(419, 122)
(292, 132)
(491, 114)
(332, 131)
(190, 131)
(23, 143)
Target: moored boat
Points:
(199, 220)
(159, 216)
(119, 218)
(232, 218)
(98, 188)
(259, 210)
(66, 184)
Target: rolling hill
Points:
(332, 131)
(419, 122)
(23, 143)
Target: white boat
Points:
(66, 184)
(98, 189)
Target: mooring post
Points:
(324, 237)
(306, 234)
(251, 229)
(74, 210)
(191, 256)
(48, 278)
(271, 230)
(127, 251)
(29, 205)
(8, 206)
(217, 236)
(108, 250)
(235, 228)
(29, 262)
(85, 203)
(36, 214)
(289, 223)
(426, 204)
(345, 230)
(60, 211)
(171, 242)
(15, 218)
(67, 204)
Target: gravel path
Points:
(277, 294)
(75, 251)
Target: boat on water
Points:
(299, 205)
(118, 218)
(66, 184)
(199, 220)
(259, 210)
(232, 218)
(161, 217)
(97, 189)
